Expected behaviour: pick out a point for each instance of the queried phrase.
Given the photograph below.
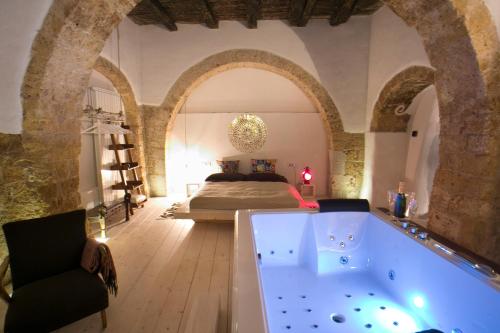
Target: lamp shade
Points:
(306, 175)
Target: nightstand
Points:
(307, 191)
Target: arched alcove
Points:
(406, 149)
(396, 96)
(396, 153)
(134, 120)
(160, 119)
(296, 135)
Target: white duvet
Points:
(245, 195)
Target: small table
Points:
(307, 191)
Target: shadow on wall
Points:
(386, 160)
(341, 61)
(431, 164)
(341, 65)
(426, 122)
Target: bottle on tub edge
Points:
(400, 201)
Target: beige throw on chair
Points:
(97, 258)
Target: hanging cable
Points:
(119, 64)
(118, 46)
(185, 136)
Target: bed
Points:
(219, 200)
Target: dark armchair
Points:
(50, 289)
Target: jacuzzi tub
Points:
(303, 271)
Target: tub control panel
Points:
(417, 232)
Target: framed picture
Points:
(192, 188)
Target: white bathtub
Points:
(302, 271)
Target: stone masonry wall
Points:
(461, 42)
(39, 168)
(155, 136)
(400, 90)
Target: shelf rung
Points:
(125, 166)
(131, 184)
(121, 146)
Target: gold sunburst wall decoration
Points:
(247, 133)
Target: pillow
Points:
(225, 177)
(266, 177)
(264, 166)
(229, 166)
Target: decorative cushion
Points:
(264, 165)
(266, 177)
(343, 205)
(225, 177)
(229, 166)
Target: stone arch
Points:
(460, 39)
(350, 145)
(461, 42)
(399, 92)
(134, 120)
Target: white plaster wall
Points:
(123, 49)
(394, 46)
(394, 157)
(194, 147)
(385, 162)
(423, 150)
(494, 7)
(249, 90)
(19, 23)
(88, 185)
(89, 194)
(337, 56)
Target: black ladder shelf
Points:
(130, 181)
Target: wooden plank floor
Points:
(162, 265)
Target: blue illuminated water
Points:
(308, 263)
(298, 300)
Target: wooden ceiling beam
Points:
(253, 12)
(295, 11)
(208, 12)
(342, 11)
(163, 14)
(307, 13)
(300, 12)
(210, 19)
